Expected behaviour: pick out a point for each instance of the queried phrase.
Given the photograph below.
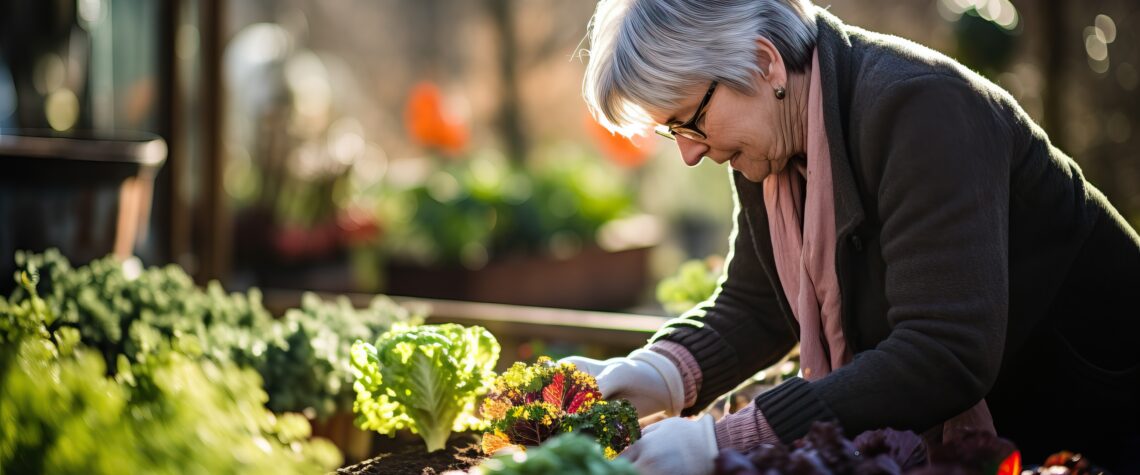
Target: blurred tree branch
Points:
(510, 117)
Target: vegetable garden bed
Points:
(150, 373)
(599, 334)
(412, 458)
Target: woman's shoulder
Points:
(875, 75)
(883, 62)
(871, 67)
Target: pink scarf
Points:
(805, 261)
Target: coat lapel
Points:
(751, 196)
(835, 69)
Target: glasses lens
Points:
(689, 133)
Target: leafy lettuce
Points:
(425, 378)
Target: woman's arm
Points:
(741, 328)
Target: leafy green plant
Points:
(531, 404)
(694, 282)
(171, 415)
(312, 371)
(425, 378)
(118, 311)
(303, 358)
(165, 412)
(470, 211)
(568, 454)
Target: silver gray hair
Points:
(646, 54)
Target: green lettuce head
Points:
(425, 378)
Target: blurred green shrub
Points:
(471, 211)
(694, 282)
(128, 314)
(161, 412)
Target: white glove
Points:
(675, 446)
(648, 380)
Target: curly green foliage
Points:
(312, 372)
(303, 358)
(61, 426)
(118, 312)
(611, 423)
(569, 454)
(25, 317)
(527, 378)
(166, 415)
(694, 282)
(425, 378)
(167, 409)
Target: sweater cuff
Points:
(791, 407)
(717, 362)
(684, 361)
(744, 430)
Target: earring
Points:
(780, 93)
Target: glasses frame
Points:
(689, 129)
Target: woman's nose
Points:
(691, 150)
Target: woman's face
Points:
(742, 130)
(749, 132)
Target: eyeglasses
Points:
(689, 128)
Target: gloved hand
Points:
(675, 446)
(648, 380)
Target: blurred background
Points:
(436, 148)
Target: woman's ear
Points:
(772, 68)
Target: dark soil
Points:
(462, 452)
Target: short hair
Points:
(645, 54)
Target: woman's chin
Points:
(753, 172)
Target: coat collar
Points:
(835, 52)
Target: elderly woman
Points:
(901, 218)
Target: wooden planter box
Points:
(593, 279)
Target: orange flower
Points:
(624, 151)
(429, 124)
(496, 441)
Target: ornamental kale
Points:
(425, 378)
(531, 404)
